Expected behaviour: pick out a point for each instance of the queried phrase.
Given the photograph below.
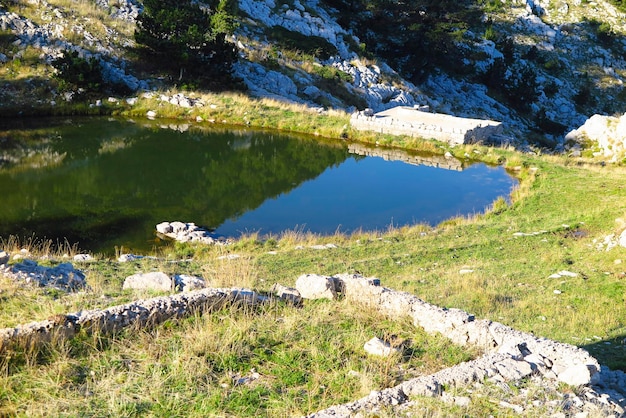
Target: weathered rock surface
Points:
(188, 232)
(608, 132)
(288, 294)
(157, 281)
(622, 239)
(63, 276)
(145, 312)
(4, 257)
(408, 121)
(510, 355)
(314, 286)
(378, 347)
(187, 283)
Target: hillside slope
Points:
(543, 67)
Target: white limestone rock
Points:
(186, 283)
(608, 132)
(149, 281)
(83, 258)
(125, 258)
(63, 276)
(576, 375)
(288, 294)
(622, 239)
(314, 286)
(378, 347)
(512, 369)
(4, 257)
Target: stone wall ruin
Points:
(510, 355)
(413, 122)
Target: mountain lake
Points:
(103, 183)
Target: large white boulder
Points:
(609, 132)
(314, 286)
(149, 281)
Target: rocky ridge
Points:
(558, 32)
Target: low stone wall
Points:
(510, 355)
(415, 123)
(140, 313)
(389, 154)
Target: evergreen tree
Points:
(189, 41)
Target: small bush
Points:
(296, 41)
(550, 89)
(490, 34)
(603, 31)
(331, 73)
(75, 72)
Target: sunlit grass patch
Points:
(273, 361)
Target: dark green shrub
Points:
(516, 83)
(490, 34)
(332, 73)
(547, 125)
(315, 46)
(550, 88)
(75, 72)
(187, 41)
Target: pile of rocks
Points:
(122, 9)
(188, 232)
(62, 277)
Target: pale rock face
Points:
(609, 132)
(149, 281)
(186, 283)
(576, 375)
(314, 286)
(378, 347)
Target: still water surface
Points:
(104, 183)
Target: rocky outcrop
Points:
(157, 281)
(606, 133)
(62, 277)
(50, 39)
(510, 355)
(140, 313)
(161, 282)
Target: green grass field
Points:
(296, 361)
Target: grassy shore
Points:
(496, 265)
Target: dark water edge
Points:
(106, 182)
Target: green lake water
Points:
(105, 183)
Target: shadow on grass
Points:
(609, 352)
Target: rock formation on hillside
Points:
(570, 52)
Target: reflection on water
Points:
(106, 183)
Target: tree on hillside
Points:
(188, 40)
(414, 36)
